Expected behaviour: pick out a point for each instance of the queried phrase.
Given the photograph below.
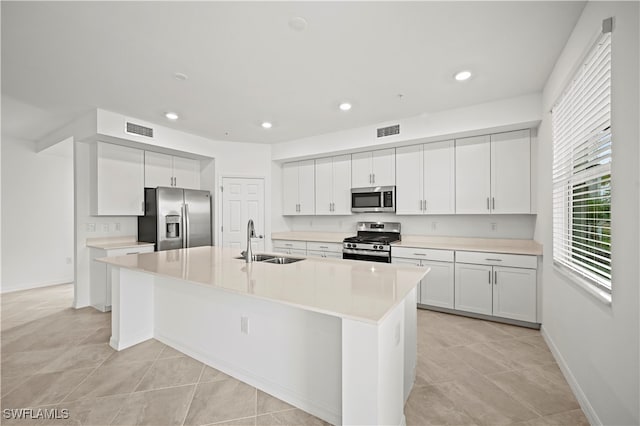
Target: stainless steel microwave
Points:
(373, 199)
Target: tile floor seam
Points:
(151, 364)
(230, 420)
(193, 394)
(84, 380)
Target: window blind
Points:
(581, 122)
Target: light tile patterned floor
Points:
(53, 356)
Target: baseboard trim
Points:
(4, 289)
(519, 323)
(586, 406)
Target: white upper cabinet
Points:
(298, 188)
(373, 168)
(511, 172)
(493, 173)
(409, 173)
(333, 185)
(117, 180)
(425, 179)
(168, 170)
(186, 173)
(473, 175)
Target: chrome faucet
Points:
(251, 233)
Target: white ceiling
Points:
(246, 65)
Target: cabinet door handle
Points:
(489, 277)
(425, 205)
(374, 178)
(488, 204)
(493, 203)
(495, 277)
(420, 204)
(493, 260)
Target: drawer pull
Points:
(494, 260)
(324, 247)
(419, 254)
(133, 252)
(291, 245)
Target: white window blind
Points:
(581, 121)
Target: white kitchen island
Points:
(336, 338)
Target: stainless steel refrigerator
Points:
(175, 218)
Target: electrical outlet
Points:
(91, 227)
(244, 325)
(310, 224)
(494, 226)
(116, 227)
(105, 227)
(434, 226)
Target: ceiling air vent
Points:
(136, 129)
(389, 131)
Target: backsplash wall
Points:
(480, 226)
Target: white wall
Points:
(37, 216)
(598, 344)
(480, 226)
(498, 116)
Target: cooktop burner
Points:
(377, 239)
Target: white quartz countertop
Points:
(321, 237)
(114, 243)
(364, 291)
(493, 245)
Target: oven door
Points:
(370, 256)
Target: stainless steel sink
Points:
(283, 260)
(259, 257)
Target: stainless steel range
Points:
(373, 242)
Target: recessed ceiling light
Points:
(462, 75)
(180, 76)
(171, 115)
(298, 23)
(267, 125)
(345, 106)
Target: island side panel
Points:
(132, 307)
(290, 353)
(410, 342)
(373, 370)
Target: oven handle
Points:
(366, 252)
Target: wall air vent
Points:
(136, 129)
(389, 131)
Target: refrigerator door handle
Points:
(187, 230)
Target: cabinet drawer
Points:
(130, 250)
(332, 247)
(497, 259)
(421, 253)
(290, 244)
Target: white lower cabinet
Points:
(100, 274)
(487, 287)
(437, 288)
(290, 247)
(514, 293)
(327, 250)
(473, 289)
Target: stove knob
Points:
(353, 246)
(376, 247)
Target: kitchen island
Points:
(336, 338)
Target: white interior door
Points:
(242, 199)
